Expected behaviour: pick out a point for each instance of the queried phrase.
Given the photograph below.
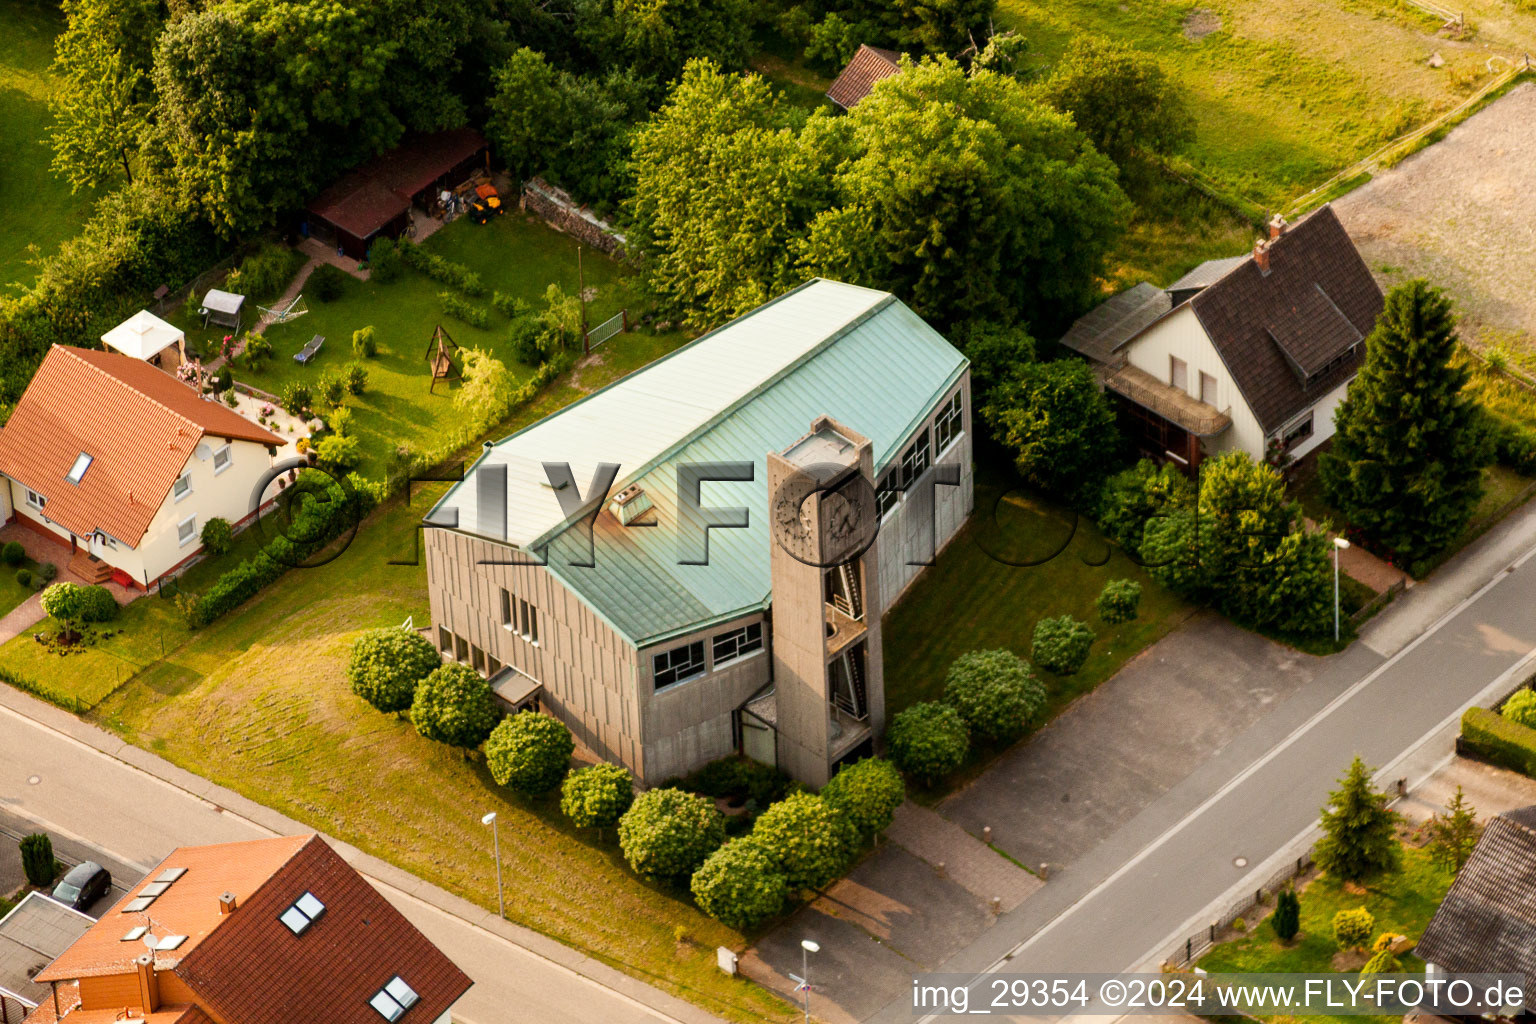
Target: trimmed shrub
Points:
(1061, 644)
(364, 344)
(455, 275)
(995, 693)
(740, 885)
(928, 740)
(1287, 919)
(337, 452)
(388, 664)
(808, 837)
(327, 282)
(37, 859)
(297, 397)
(738, 776)
(1521, 708)
(1499, 741)
(529, 753)
(453, 705)
(597, 796)
(1383, 961)
(47, 572)
(384, 264)
(667, 833)
(24, 577)
(507, 306)
(13, 554)
(257, 349)
(97, 604)
(331, 388)
(217, 535)
(1119, 601)
(1352, 928)
(462, 309)
(356, 380)
(867, 793)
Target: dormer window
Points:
(77, 471)
(305, 911)
(394, 999)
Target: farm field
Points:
(36, 208)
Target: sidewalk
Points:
(519, 974)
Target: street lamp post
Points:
(501, 903)
(807, 947)
(1339, 544)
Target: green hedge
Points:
(316, 524)
(1499, 741)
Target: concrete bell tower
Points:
(829, 682)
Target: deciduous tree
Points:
(668, 833)
(928, 740)
(597, 796)
(1121, 98)
(867, 793)
(995, 693)
(1055, 421)
(740, 885)
(809, 839)
(453, 705)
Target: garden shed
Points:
(376, 198)
(147, 337)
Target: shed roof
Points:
(1208, 273)
(746, 388)
(1487, 921)
(143, 336)
(1113, 322)
(359, 204)
(32, 935)
(868, 66)
(421, 159)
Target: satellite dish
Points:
(150, 940)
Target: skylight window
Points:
(154, 888)
(77, 471)
(136, 932)
(170, 874)
(170, 942)
(305, 911)
(394, 999)
(137, 905)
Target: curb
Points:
(376, 870)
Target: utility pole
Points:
(581, 293)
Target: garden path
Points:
(21, 618)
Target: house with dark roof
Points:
(1240, 353)
(707, 570)
(1487, 921)
(869, 65)
(121, 465)
(276, 929)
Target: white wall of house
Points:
(1322, 421)
(1181, 336)
(223, 491)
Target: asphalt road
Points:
(98, 807)
(1228, 826)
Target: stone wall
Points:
(556, 208)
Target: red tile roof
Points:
(139, 424)
(868, 66)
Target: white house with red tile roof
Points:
(122, 464)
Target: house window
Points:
(186, 531)
(1178, 373)
(1298, 431)
(530, 630)
(182, 487)
(460, 649)
(306, 910)
(738, 643)
(902, 475)
(393, 999)
(508, 619)
(887, 496)
(678, 665)
(222, 459)
(77, 471)
(35, 500)
(946, 426)
(492, 666)
(444, 640)
(1207, 389)
(476, 658)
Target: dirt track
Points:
(1462, 213)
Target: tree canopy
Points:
(1121, 98)
(1057, 424)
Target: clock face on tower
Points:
(844, 513)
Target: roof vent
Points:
(630, 504)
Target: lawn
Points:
(11, 592)
(110, 654)
(516, 255)
(1402, 904)
(36, 208)
(1002, 573)
(1283, 93)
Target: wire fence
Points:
(614, 325)
(202, 282)
(1194, 946)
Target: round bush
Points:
(1521, 708)
(810, 840)
(387, 665)
(364, 345)
(739, 885)
(867, 794)
(529, 753)
(64, 602)
(667, 833)
(597, 796)
(384, 265)
(1119, 601)
(13, 553)
(217, 535)
(1381, 962)
(97, 605)
(1061, 644)
(928, 740)
(1352, 928)
(327, 282)
(455, 706)
(995, 693)
(24, 577)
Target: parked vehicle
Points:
(83, 885)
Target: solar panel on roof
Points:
(170, 875)
(134, 906)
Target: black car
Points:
(83, 885)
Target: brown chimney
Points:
(1277, 226)
(226, 904)
(149, 984)
(1261, 256)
